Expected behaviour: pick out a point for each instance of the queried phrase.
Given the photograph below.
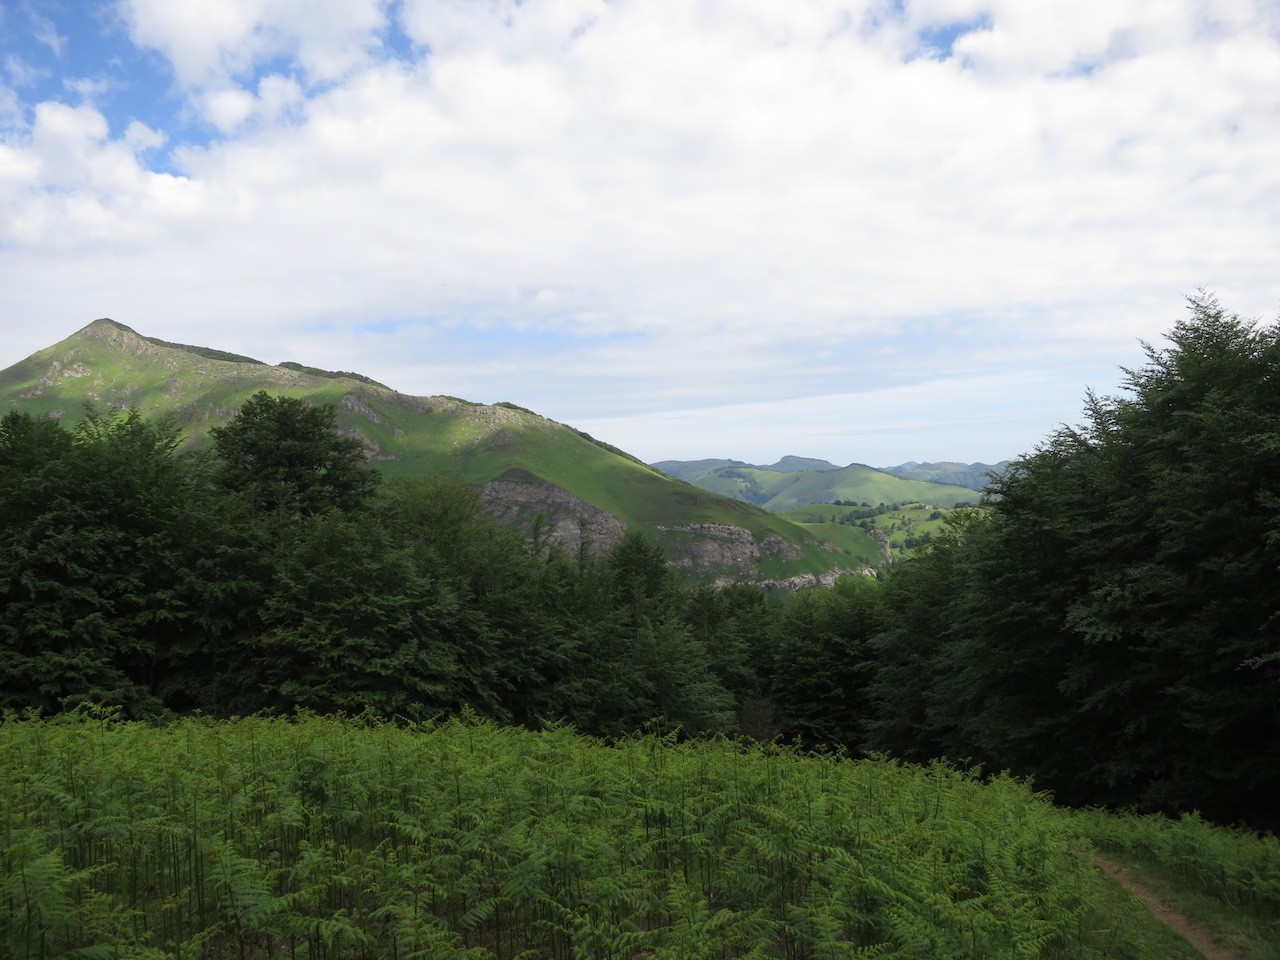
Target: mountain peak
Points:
(108, 323)
(104, 328)
(794, 464)
(122, 337)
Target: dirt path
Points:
(1199, 937)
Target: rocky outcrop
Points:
(56, 374)
(715, 547)
(882, 541)
(775, 545)
(555, 514)
(803, 581)
(710, 547)
(357, 402)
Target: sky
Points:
(869, 231)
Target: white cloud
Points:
(209, 44)
(227, 108)
(945, 420)
(89, 89)
(139, 137)
(46, 33)
(230, 108)
(753, 195)
(21, 73)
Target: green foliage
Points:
(281, 454)
(330, 374)
(1237, 867)
(98, 536)
(1111, 627)
(907, 527)
(321, 838)
(820, 663)
(349, 623)
(1105, 624)
(131, 576)
(1225, 879)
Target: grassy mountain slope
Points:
(846, 536)
(777, 491)
(110, 364)
(905, 528)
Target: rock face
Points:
(882, 541)
(357, 401)
(567, 521)
(57, 373)
(803, 581)
(559, 516)
(718, 546)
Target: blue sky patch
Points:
(940, 40)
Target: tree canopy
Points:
(1111, 626)
(283, 453)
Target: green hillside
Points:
(110, 364)
(777, 491)
(851, 538)
(906, 526)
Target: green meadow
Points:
(908, 526)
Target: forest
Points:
(1104, 623)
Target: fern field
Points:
(324, 839)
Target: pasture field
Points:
(327, 838)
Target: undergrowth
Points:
(323, 838)
(1226, 879)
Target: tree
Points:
(286, 455)
(98, 537)
(1113, 628)
(820, 663)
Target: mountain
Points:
(524, 465)
(691, 470)
(970, 475)
(788, 484)
(790, 464)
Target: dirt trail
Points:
(1199, 937)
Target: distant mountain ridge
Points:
(690, 470)
(799, 481)
(974, 476)
(525, 465)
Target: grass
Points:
(1225, 879)
(1148, 939)
(907, 527)
(855, 540)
